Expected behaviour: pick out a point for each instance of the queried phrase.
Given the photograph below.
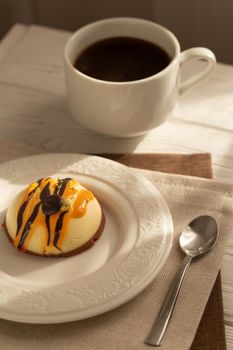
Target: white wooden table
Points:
(33, 111)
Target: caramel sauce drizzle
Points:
(30, 215)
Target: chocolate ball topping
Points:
(51, 204)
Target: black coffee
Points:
(122, 59)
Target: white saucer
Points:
(130, 253)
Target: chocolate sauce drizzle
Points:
(47, 217)
(58, 228)
(22, 209)
(45, 193)
(28, 224)
(63, 183)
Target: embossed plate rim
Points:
(119, 285)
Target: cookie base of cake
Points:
(76, 251)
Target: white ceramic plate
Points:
(131, 251)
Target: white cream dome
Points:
(50, 218)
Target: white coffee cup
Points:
(130, 108)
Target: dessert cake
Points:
(54, 217)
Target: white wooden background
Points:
(33, 111)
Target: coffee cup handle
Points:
(198, 53)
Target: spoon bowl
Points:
(199, 236)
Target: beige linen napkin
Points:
(126, 327)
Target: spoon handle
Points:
(157, 332)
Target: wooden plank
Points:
(229, 337)
(47, 118)
(12, 39)
(39, 70)
(38, 61)
(41, 119)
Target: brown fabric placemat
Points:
(212, 322)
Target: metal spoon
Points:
(198, 238)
